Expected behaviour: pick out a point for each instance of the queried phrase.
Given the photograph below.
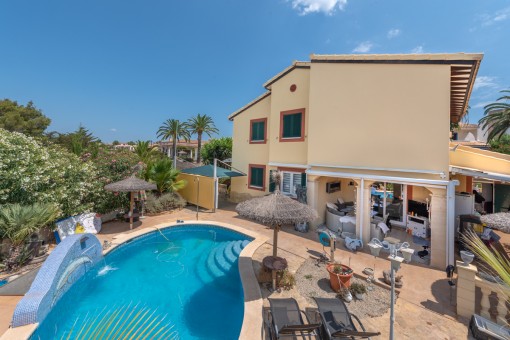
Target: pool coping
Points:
(253, 303)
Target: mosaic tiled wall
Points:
(66, 264)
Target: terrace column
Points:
(438, 228)
(466, 276)
(363, 208)
(312, 197)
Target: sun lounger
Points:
(337, 321)
(285, 319)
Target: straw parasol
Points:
(499, 221)
(130, 184)
(276, 210)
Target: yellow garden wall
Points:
(206, 192)
(379, 115)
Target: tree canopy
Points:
(24, 119)
(496, 118)
(220, 148)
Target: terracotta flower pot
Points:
(337, 279)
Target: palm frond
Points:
(490, 256)
(125, 322)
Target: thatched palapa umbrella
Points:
(130, 184)
(276, 210)
(499, 221)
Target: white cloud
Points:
(480, 105)
(113, 130)
(485, 81)
(393, 33)
(315, 6)
(363, 47)
(498, 16)
(417, 49)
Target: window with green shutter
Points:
(256, 179)
(292, 123)
(258, 130)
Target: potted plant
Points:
(359, 290)
(339, 276)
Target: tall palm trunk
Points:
(175, 151)
(199, 138)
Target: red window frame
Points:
(289, 112)
(260, 166)
(265, 131)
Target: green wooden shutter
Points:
(272, 184)
(292, 125)
(303, 180)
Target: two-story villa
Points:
(352, 126)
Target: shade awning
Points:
(476, 173)
(208, 171)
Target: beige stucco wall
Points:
(347, 192)
(420, 194)
(244, 153)
(282, 99)
(379, 115)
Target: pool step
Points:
(215, 264)
(202, 272)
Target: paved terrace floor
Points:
(423, 310)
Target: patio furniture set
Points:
(332, 320)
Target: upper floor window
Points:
(292, 125)
(256, 177)
(258, 130)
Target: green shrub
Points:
(285, 280)
(112, 165)
(166, 202)
(32, 173)
(358, 288)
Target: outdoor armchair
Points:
(285, 319)
(337, 321)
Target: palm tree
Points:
(18, 222)
(497, 117)
(173, 128)
(146, 152)
(164, 176)
(201, 124)
(493, 260)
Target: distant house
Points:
(125, 147)
(185, 149)
(373, 129)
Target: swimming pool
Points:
(187, 274)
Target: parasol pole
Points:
(275, 251)
(131, 203)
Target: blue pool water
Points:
(192, 278)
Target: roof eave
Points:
(247, 106)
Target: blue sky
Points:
(123, 67)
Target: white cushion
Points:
(340, 200)
(89, 222)
(331, 206)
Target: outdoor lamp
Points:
(395, 262)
